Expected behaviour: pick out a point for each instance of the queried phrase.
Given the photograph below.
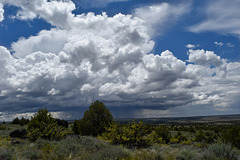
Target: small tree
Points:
(16, 121)
(62, 122)
(94, 121)
(43, 125)
(24, 121)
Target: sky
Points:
(141, 58)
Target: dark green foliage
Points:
(130, 135)
(76, 127)
(200, 137)
(18, 133)
(22, 122)
(94, 121)
(43, 125)
(232, 136)
(16, 121)
(160, 134)
(205, 138)
(62, 123)
(164, 133)
(220, 151)
(181, 137)
(210, 137)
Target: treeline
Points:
(98, 122)
(21, 121)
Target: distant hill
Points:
(197, 119)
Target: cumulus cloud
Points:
(157, 72)
(221, 16)
(51, 41)
(57, 13)
(161, 16)
(202, 57)
(191, 46)
(1, 13)
(109, 59)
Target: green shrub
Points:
(143, 154)
(6, 153)
(43, 125)
(220, 151)
(94, 121)
(65, 148)
(200, 137)
(130, 135)
(187, 155)
(3, 127)
(153, 137)
(160, 134)
(179, 138)
(87, 148)
(188, 142)
(174, 140)
(163, 132)
(232, 136)
(106, 153)
(33, 154)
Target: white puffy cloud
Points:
(64, 65)
(1, 13)
(57, 13)
(221, 92)
(157, 72)
(202, 57)
(109, 59)
(160, 17)
(6, 70)
(221, 16)
(190, 46)
(46, 41)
